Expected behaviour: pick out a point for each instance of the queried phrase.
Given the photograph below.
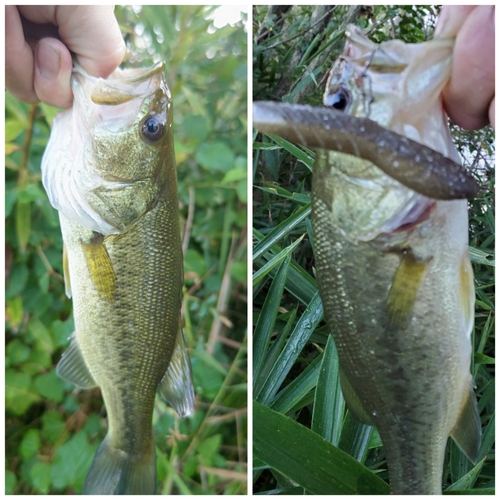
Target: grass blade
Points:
(329, 403)
(283, 443)
(298, 339)
(275, 261)
(280, 231)
(267, 319)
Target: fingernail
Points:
(48, 60)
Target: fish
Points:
(109, 169)
(390, 226)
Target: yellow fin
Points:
(467, 293)
(467, 431)
(404, 288)
(352, 400)
(100, 266)
(67, 281)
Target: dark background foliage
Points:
(295, 381)
(53, 430)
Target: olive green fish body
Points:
(123, 268)
(410, 371)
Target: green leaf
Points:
(215, 156)
(17, 280)
(10, 482)
(194, 265)
(241, 190)
(30, 444)
(72, 462)
(355, 437)
(266, 321)
(50, 387)
(275, 261)
(482, 359)
(23, 224)
(479, 257)
(235, 174)
(298, 339)
(280, 231)
(40, 477)
(17, 108)
(17, 352)
(273, 353)
(30, 193)
(467, 480)
(210, 446)
(309, 460)
(43, 339)
(307, 158)
(52, 426)
(13, 128)
(329, 404)
(299, 388)
(239, 271)
(197, 127)
(18, 394)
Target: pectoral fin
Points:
(467, 293)
(100, 266)
(352, 400)
(67, 282)
(177, 384)
(467, 431)
(404, 288)
(73, 368)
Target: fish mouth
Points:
(122, 85)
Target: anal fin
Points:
(73, 368)
(177, 384)
(467, 431)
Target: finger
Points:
(451, 19)
(90, 31)
(18, 58)
(469, 94)
(492, 113)
(53, 67)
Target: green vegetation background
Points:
(304, 439)
(52, 429)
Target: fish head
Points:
(397, 85)
(111, 155)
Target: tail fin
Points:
(116, 472)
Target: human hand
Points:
(38, 61)
(469, 97)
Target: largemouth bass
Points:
(391, 249)
(109, 169)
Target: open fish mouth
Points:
(122, 86)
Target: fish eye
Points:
(151, 128)
(339, 100)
